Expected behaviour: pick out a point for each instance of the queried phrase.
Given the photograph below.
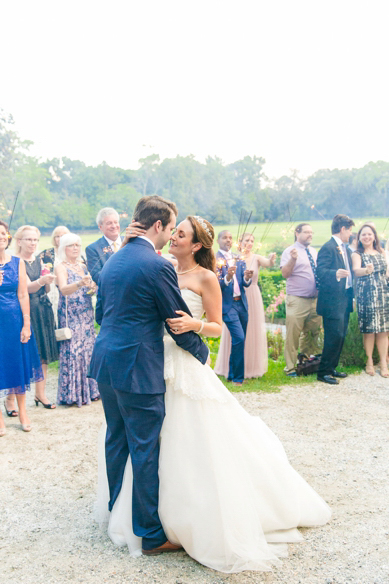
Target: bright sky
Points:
(303, 83)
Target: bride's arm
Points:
(212, 302)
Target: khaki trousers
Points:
(302, 328)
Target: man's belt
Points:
(237, 298)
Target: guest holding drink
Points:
(75, 311)
(19, 359)
(42, 318)
(370, 268)
(255, 351)
(49, 258)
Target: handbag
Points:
(64, 334)
(307, 365)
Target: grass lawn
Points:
(272, 381)
(275, 233)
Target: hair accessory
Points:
(203, 224)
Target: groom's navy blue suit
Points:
(138, 291)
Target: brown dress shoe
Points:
(166, 547)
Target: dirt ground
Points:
(336, 437)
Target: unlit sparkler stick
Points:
(13, 210)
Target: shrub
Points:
(275, 344)
(272, 284)
(353, 352)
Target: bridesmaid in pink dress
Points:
(255, 351)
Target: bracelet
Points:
(201, 327)
(24, 315)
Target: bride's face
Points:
(181, 243)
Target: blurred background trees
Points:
(65, 191)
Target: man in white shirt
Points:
(100, 251)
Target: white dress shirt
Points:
(342, 247)
(118, 242)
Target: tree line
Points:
(65, 191)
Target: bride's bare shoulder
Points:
(207, 277)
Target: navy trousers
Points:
(236, 321)
(134, 424)
(335, 331)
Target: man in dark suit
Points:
(138, 291)
(233, 278)
(335, 300)
(100, 251)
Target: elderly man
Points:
(234, 277)
(100, 251)
(298, 266)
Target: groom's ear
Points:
(158, 226)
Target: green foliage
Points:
(272, 283)
(353, 352)
(275, 344)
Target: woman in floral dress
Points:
(75, 289)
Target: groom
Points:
(138, 291)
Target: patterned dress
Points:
(42, 318)
(373, 296)
(74, 387)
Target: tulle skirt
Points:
(227, 491)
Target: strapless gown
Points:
(227, 491)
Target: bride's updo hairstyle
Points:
(203, 233)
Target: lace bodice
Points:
(194, 302)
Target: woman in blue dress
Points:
(19, 360)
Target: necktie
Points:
(349, 282)
(313, 266)
(115, 247)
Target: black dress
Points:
(42, 318)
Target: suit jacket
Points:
(138, 291)
(97, 254)
(333, 300)
(228, 290)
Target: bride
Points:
(228, 494)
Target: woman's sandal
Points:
(47, 406)
(10, 413)
(384, 372)
(3, 432)
(26, 427)
(370, 370)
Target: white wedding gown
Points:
(227, 491)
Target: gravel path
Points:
(337, 438)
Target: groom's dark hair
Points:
(153, 208)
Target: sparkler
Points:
(318, 212)
(13, 210)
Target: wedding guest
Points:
(234, 277)
(370, 268)
(42, 318)
(75, 311)
(49, 257)
(19, 360)
(255, 350)
(298, 266)
(100, 251)
(335, 300)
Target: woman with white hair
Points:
(49, 257)
(75, 312)
(42, 318)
